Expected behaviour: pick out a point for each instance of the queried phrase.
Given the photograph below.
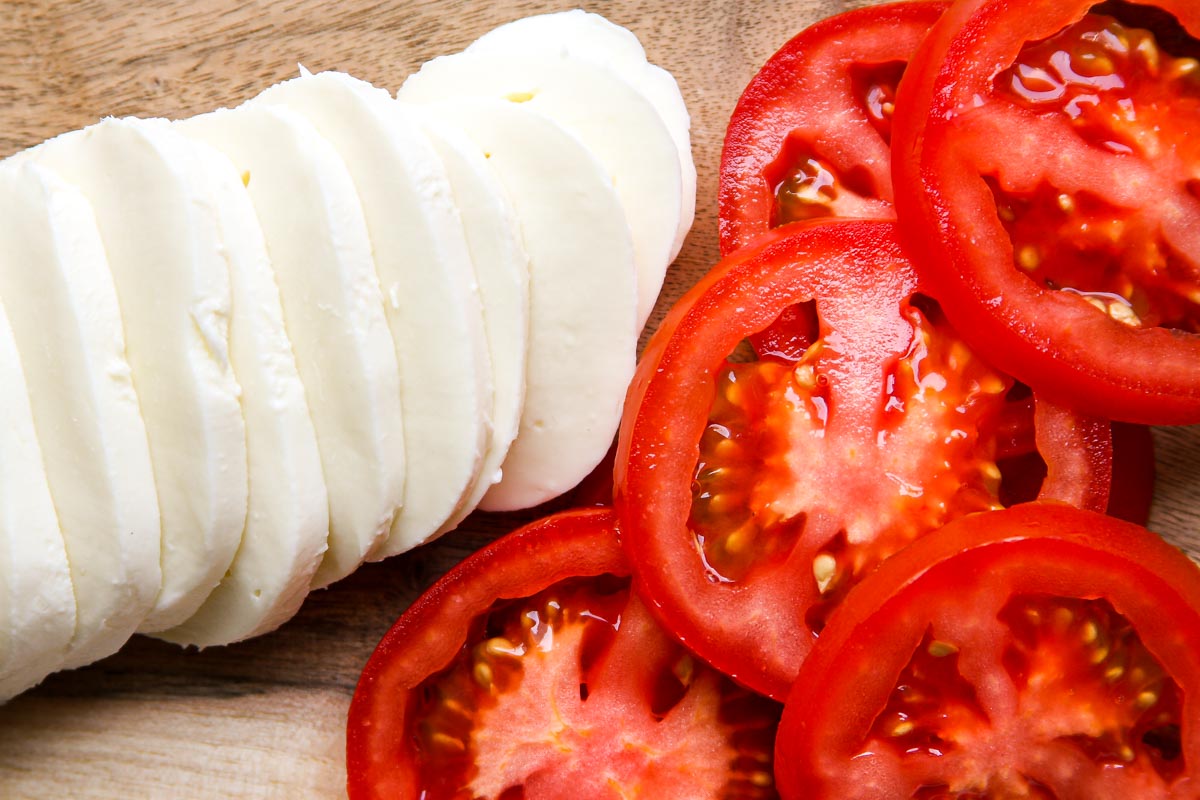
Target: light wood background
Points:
(265, 719)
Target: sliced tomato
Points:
(1047, 176)
(1036, 652)
(529, 670)
(753, 493)
(809, 136)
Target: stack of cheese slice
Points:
(242, 353)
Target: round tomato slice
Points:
(530, 670)
(809, 136)
(754, 493)
(1047, 176)
(1036, 652)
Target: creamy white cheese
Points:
(317, 239)
(583, 296)
(578, 34)
(429, 285)
(66, 325)
(160, 232)
(287, 523)
(502, 268)
(611, 118)
(37, 603)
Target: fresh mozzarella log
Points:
(66, 325)
(287, 521)
(578, 34)
(610, 117)
(583, 296)
(160, 232)
(37, 603)
(502, 268)
(430, 290)
(316, 236)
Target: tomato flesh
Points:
(1036, 652)
(522, 707)
(1082, 674)
(756, 489)
(809, 137)
(755, 493)
(808, 186)
(527, 682)
(1123, 93)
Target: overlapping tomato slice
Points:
(810, 135)
(1047, 177)
(754, 493)
(530, 670)
(1039, 652)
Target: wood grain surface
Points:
(265, 719)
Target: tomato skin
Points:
(806, 90)
(1036, 548)
(1047, 339)
(751, 630)
(423, 641)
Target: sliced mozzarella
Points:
(583, 296)
(502, 268)
(160, 232)
(432, 299)
(317, 239)
(37, 603)
(578, 34)
(66, 323)
(287, 523)
(606, 114)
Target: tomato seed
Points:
(939, 649)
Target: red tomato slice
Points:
(529, 670)
(809, 136)
(1037, 652)
(754, 493)
(1047, 177)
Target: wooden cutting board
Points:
(265, 719)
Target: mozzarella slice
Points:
(67, 327)
(606, 114)
(432, 299)
(316, 236)
(580, 35)
(37, 603)
(160, 232)
(502, 268)
(583, 296)
(287, 522)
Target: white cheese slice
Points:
(287, 523)
(37, 602)
(66, 325)
(606, 114)
(578, 34)
(313, 225)
(429, 284)
(583, 324)
(160, 232)
(502, 268)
